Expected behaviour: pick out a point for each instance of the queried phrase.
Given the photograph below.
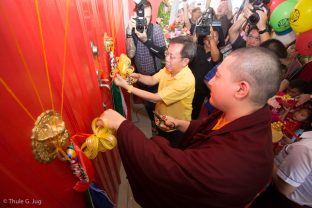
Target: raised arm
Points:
(235, 29)
(152, 97)
(229, 14)
(281, 185)
(130, 46)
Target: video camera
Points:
(141, 22)
(257, 5)
(203, 26)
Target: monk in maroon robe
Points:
(224, 160)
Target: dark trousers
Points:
(197, 103)
(174, 137)
(149, 106)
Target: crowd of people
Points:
(222, 155)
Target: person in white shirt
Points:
(291, 186)
(293, 175)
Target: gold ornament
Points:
(277, 133)
(49, 135)
(123, 68)
(108, 42)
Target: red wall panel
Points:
(22, 60)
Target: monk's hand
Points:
(110, 119)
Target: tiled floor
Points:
(141, 120)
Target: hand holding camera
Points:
(263, 18)
(131, 25)
(259, 7)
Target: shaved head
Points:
(260, 68)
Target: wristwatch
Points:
(263, 31)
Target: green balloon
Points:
(279, 19)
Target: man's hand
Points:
(119, 81)
(262, 23)
(142, 36)
(110, 119)
(248, 10)
(132, 24)
(165, 123)
(135, 77)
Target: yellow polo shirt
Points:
(176, 93)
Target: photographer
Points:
(257, 31)
(207, 56)
(146, 44)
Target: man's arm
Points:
(262, 25)
(235, 29)
(131, 49)
(145, 79)
(292, 168)
(181, 125)
(152, 97)
(281, 185)
(215, 52)
(229, 14)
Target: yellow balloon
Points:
(300, 17)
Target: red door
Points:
(46, 63)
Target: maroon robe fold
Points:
(222, 168)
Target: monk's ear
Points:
(243, 89)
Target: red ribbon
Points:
(77, 140)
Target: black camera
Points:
(257, 5)
(203, 25)
(141, 21)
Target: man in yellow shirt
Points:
(176, 85)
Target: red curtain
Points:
(39, 47)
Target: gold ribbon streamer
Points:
(64, 56)
(20, 52)
(44, 52)
(101, 140)
(16, 99)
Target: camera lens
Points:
(254, 18)
(140, 28)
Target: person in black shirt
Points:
(206, 58)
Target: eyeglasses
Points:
(170, 55)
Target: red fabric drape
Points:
(23, 71)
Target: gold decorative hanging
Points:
(108, 42)
(277, 133)
(123, 68)
(49, 135)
